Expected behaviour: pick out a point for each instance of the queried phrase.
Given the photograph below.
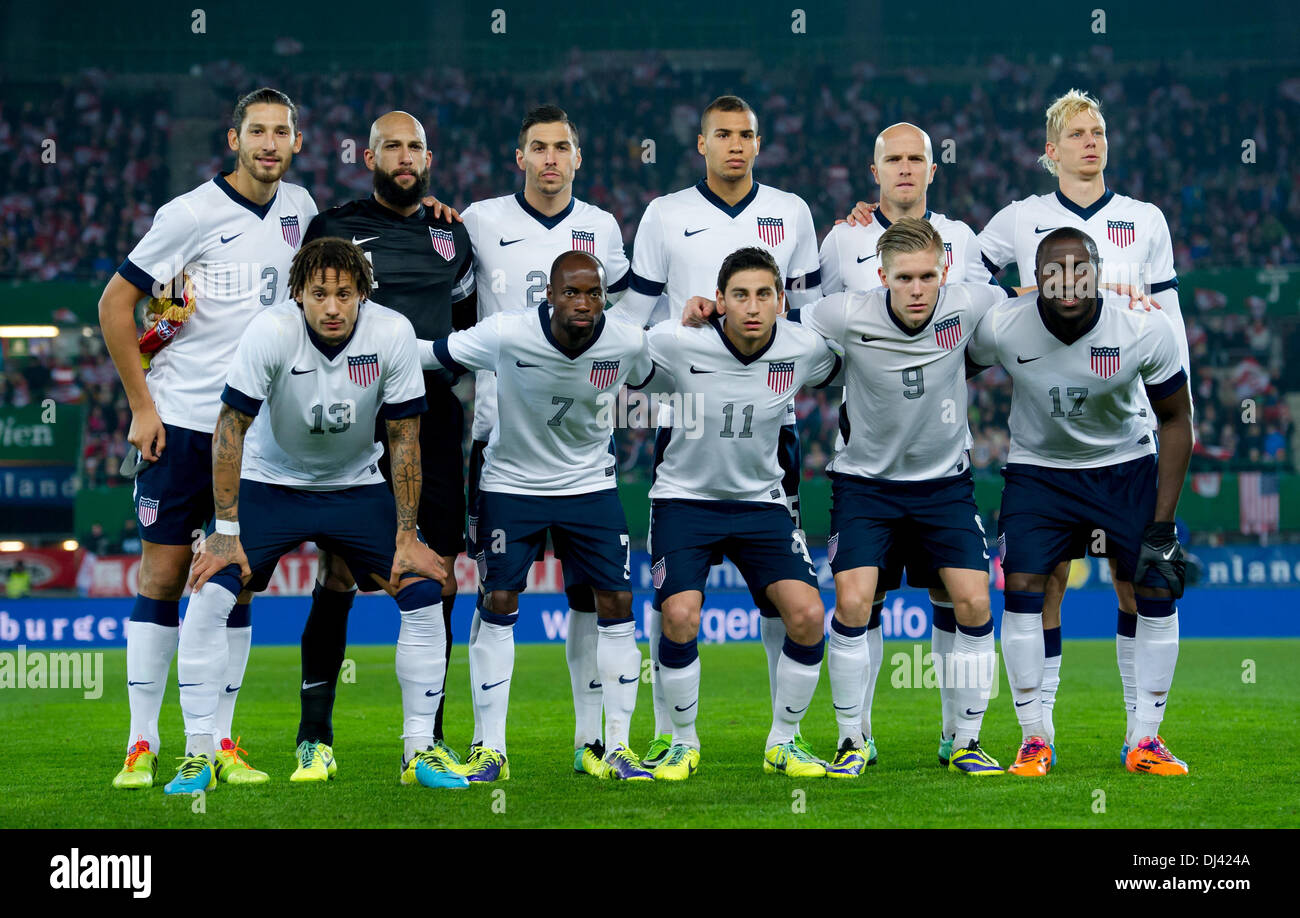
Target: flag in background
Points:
(1258, 493)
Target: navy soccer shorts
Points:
(869, 516)
(690, 535)
(173, 496)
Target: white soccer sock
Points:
(580, 641)
(149, 651)
(653, 631)
(1156, 657)
(492, 664)
(847, 663)
(1051, 678)
(941, 641)
(201, 657)
(1126, 657)
(875, 650)
(421, 666)
(973, 665)
(796, 681)
(474, 624)
(619, 661)
(240, 641)
(1022, 650)
(682, 692)
(772, 631)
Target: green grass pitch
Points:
(1239, 738)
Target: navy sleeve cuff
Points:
(645, 382)
(793, 316)
(641, 285)
(1009, 291)
(811, 279)
(1171, 284)
(137, 276)
(244, 404)
(621, 284)
(1168, 387)
(443, 354)
(395, 411)
(839, 362)
(972, 368)
(993, 269)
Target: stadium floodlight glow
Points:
(70, 545)
(11, 546)
(28, 331)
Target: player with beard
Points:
(423, 269)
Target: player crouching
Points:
(325, 370)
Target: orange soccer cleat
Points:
(1034, 759)
(1152, 757)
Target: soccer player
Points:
(1082, 469)
(423, 269)
(717, 489)
(904, 167)
(1133, 239)
(234, 237)
(681, 240)
(516, 237)
(902, 467)
(547, 466)
(295, 459)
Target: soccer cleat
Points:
(1152, 757)
(679, 764)
(793, 760)
(1034, 759)
(195, 774)
(621, 764)
(945, 749)
(315, 762)
(974, 761)
(484, 765)
(448, 754)
(658, 750)
(589, 760)
(871, 750)
(140, 768)
(1052, 746)
(231, 769)
(849, 762)
(432, 770)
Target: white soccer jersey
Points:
(904, 411)
(1132, 239)
(316, 430)
(726, 440)
(849, 260)
(1080, 405)
(557, 406)
(684, 237)
(238, 256)
(514, 246)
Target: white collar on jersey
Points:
(731, 210)
(716, 322)
(259, 210)
(1085, 213)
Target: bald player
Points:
(424, 270)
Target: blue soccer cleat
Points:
(195, 774)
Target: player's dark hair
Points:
(750, 258)
(330, 253)
(546, 114)
(1069, 232)
(727, 104)
(264, 96)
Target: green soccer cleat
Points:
(315, 763)
(621, 764)
(945, 749)
(195, 774)
(870, 750)
(448, 754)
(140, 768)
(588, 760)
(678, 765)
(793, 760)
(231, 769)
(850, 762)
(974, 761)
(485, 765)
(658, 750)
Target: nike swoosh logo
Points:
(230, 690)
(1041, 231)
(297, 372)
(1169, 554)
(311, 685)
(867, 340)
(432, 694)
(593, 685)
(690, 233)
(225, 239)
(970, 713)
(356, 241)
(688, 707)
(485, 687)
(793, 711)
(841, 707)
(623, 681)
(520, 363)
(1159, 704)
(1021, 704)
(187, 684)
(1020, 359)
(697, 372)
(868, 258)
(511, 242)
(140, 683)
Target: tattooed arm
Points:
(220, 549)
(412, 555)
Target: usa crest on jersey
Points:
(584, 241)
(289, 229)
(780, 376)
(443, 242)
(947, 253)
(948, 332)
(771, 230)
(363, 370)
(832, 546)
(603, 372)
(1105, 361)
(1121, 232)
(148, 511)
(658, 572)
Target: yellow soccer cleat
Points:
(972, 760)
(1152, 757)
(140, 768)
(485, 765)
(589, 760)
(315, 763)
(793, 760)
(1034, 760)
(678, 765)
(232, 769)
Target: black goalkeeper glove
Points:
(1161, 552)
